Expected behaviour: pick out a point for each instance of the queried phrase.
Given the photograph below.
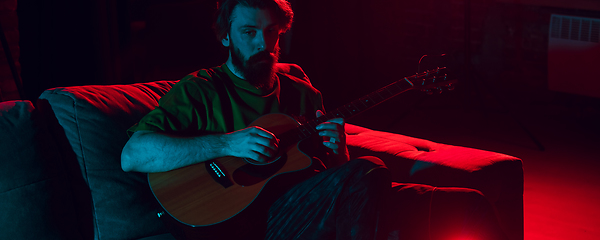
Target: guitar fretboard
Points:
(360, 105)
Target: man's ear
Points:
(225, 40)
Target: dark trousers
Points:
(344, 202)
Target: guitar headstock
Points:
(433, 81)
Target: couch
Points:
(61, 176)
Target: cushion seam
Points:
(78, 127)
(28, 184)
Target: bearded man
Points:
(207, 115)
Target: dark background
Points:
(348, 48)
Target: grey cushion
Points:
(95, 120)
(36, 202)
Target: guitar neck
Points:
(368, 101)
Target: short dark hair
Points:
(222, 24)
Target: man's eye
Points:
(249, 32)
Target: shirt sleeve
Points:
(181, 109)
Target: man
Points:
(206, 116)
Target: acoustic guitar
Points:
(212, 192)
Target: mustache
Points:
(264, 55)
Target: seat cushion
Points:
(94, 120)
(36, 200)
(412, 160)
(421, 161)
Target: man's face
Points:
(253, 44)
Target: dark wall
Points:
(58, 44)
(9, 51)
(348, 48)
(71, 42)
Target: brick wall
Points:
(9, 21)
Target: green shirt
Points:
(216, 101)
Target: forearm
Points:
(159, 152)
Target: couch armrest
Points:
(90, 123)
(36, 201)
(411, 160)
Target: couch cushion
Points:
(421, 161)
(36, 200)
(466, 159)
(412, 160)
(95, 120)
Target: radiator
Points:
(574, 55)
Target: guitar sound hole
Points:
(251, 174)
(251, 161)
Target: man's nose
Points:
(261, 43)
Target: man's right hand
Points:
(254, 143)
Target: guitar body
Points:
(209, 193)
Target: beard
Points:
(258, 70)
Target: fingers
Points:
(333, 129)
(254, 143)
(333, 134)
(261, 156)
(265, 145)
(263, 133)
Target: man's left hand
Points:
(335, 135)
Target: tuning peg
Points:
(427, 91)
(450, 87)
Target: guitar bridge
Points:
(217, 174)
